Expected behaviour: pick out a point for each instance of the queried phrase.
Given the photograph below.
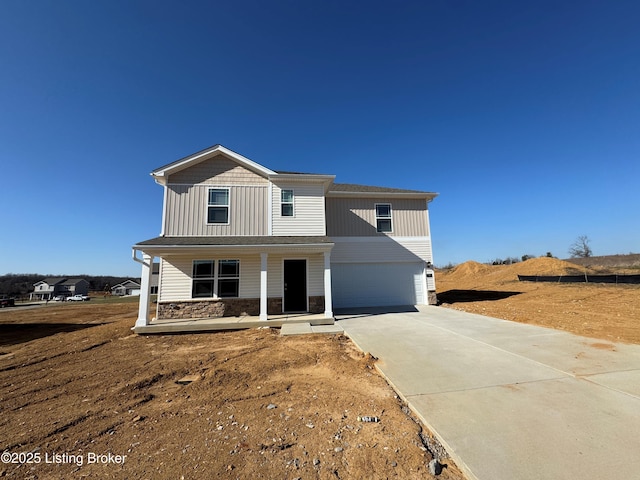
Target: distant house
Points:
(128, 287)
(48, 288)
(132, 287)
(239, 238)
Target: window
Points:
(286, 203)
(215, 278)
(218, 206)
(228, 278)
(203, 278)
(383, 217)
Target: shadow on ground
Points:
(457, 296)
(15, 333)
(370, 311)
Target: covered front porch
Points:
(223, 283)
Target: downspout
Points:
(136, 259)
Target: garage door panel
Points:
(376, 284)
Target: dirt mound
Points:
(475, 272)
(546, 266)
(469, 269)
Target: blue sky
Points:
(524, 116)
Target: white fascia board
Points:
(160, 250)
(160, 175)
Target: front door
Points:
(295, 286)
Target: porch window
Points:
(213, 278)
(203, 278)
(228, 278)
(286, 203)
(383, 218)
(218, 206)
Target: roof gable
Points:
(127, 283)
(162, 174)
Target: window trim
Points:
(379, 217)
(292, 202)
(215, 278)
(227, 206)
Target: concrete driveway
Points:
(508, 400)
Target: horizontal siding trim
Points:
(381, 249)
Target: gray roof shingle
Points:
(352, 187)
(234, 241)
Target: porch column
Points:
(145, 291)
(328, 307)
(263, 286)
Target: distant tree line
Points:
(512, 260)
(20, 285)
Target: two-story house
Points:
(51, 287)
(239, 238)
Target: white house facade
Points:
(240, 239)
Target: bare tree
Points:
(580, 248)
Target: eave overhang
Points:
(163, 246)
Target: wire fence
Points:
(616, 279)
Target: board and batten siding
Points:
(357, 217)
(176, 271)
(381, 249)
(186, 210)
(308, 208)
(218, 169)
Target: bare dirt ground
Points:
(605, 311)
(76, 383)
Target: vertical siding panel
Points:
(187, 211)
(356, 217)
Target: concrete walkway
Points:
(511, 401)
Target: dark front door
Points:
(295, 285)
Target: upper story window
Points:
(383, 218)
(218, 206)
(286, 203)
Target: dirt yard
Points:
(76, 384)
(605, 311)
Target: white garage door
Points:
(376, 284)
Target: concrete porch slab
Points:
(230, 323)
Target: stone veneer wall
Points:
(228, 307)
(432, 299)
(316, 304)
